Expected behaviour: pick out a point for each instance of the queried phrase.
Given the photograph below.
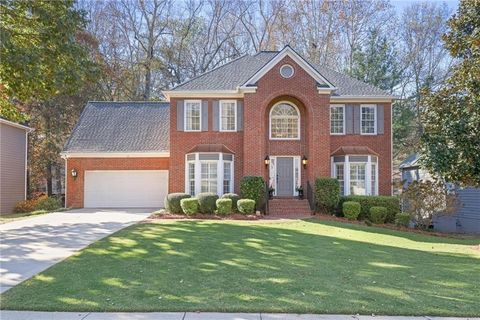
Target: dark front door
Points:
(285, 176)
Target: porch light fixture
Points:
(304, 161)
(267, 160)
(74, 173)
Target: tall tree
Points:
(451, 139)
(376, 62)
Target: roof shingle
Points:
(122, 127)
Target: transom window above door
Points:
(284, 122)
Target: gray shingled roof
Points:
(122, 127)
(235, 73)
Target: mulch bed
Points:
(160, 216)
(327, 217)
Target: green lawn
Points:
(9, 217)
(301, 266)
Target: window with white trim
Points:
(339, 175)
(193, 115)
(209, 172)
(337, 119)
(191, 178)
(284, 122)
(228, 115)
(368, 119)
(357, 175)
(209, 176)
(227, 177)
(357, 179)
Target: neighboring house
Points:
(13, 164)
(466, 219)
(272, 114)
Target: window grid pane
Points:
(227, 176)
(374, 179)
(191, 178)
(336, 120)
(284, 122)
(340, 177)
(357, 179)
(209, 177)
(368, 119)
(193, 116)
(228, 116)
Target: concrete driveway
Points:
(32, 245)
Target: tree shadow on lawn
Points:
(212, 266)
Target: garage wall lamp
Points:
(267, 160)
(304, 161)
(74, 173)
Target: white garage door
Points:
(125, 188)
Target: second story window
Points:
(193, 115)
(228, 115)
(337, 119)
(368, 119)
(284, 122)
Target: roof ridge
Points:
(351, 77)
(209, 71)
(126, 101)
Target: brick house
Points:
(272, 114)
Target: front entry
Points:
(285, 176)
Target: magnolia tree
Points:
(425, 199)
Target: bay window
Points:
(209, 172)
(357, 175)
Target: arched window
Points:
(284, 122)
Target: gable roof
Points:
(412, 161)
(241, 73)
(15, 125)
(120, 127)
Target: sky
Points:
(400, 4)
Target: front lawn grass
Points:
(9, 217)
(307, 266)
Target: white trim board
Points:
(288, 51)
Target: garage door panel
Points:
(125, 188)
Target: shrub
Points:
(366, 202)
(423, 200)
(402, 219)
(189, 206)
(172, 202)
(246, 206)
(48, 204)
(351, 210)
(224, 206)
(207, 202)
(252, 187)
(378, 214)
(327, 194)
(25, 206)
(234, 197)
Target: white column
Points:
(346, 176)
(368, 177)
(198, 174)
(220, 173)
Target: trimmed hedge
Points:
(253, 187)
(234, 197)
(172, 202)
(224, 206)
(402, 219)
(378, 214)
(207, 202)
(246, 206)
(327, 194)
(351, 210)
(189, 206)
(366, 202)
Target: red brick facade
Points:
(252, 144)
(75, 186)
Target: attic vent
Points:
(286, 71)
